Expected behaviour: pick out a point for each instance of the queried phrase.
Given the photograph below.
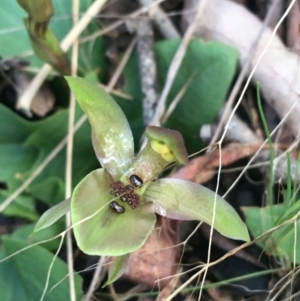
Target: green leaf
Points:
(15, 153)
(213, 65)
(116, 269)
(281, 242)
(179, 199)
(53, 214)
(91, 54)
(10, 280)
(103, 234)
(111, 134)
(23, 276)
(23, 206)
(24, 145)
(24, 233)
(290, 211)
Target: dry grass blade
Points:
(119, 22)
(69, 156)
(228, 254)
(176, 100)
(176, 62)
(162, 21)
(238, 131)
(95, 281)
(26, 98)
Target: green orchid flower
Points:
(113, 208)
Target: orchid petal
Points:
(52, 215)
(111, 135)
(98, 229)
(179, 199)
(163, 147)
(172, 138)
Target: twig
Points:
(121, 66)
(162, 21)
(176, 100)
(147, 66)
(278, 71)
(95, 280)
(242, 75)
(74, 33)
(118, 93)
(176, 62)
(69, 156)
(119, 22)
(293, 38)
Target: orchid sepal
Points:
(116, 269)
(52, 215)
(185, 200)
(111, 134)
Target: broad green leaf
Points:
(281, 242)
(24, 275)
(116, 269)
(179, 199)
(24, 233)
(111, 134)
(10, 280)
(22, 206)
(15, 153)
(24, 145)
(107, 232)
(213, 65)
(53, 214)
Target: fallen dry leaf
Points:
(158, 258)
(202, 169)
